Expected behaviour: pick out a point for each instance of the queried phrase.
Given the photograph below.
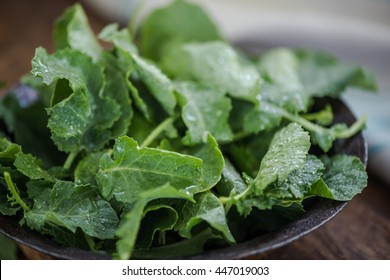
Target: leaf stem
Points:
(353, 129)
(231, 199)
(308, 125)
(241, 135)
(90, 241)
(15, 192)
(225, 199)
(163, 238)
(157, 131)
(69, 160)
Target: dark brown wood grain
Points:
(24, 26)
(360, 231)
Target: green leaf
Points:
(87, 168)
(116, 88)
(66, 237)
(122, 39)
(23, 112)
(299, 182)
(132, 170)
(72, 30)
(297, 186)
(321, 136)
(287, 152)
(344, 177)
(37, 188)
(73, 206)
(41, 189)
(324, 137)
(11, 157)
(140, 128)
(323, 117)
(7, 205)
(160, 28)
(306, 182)
(204, 111)
(28, 165)
(128, 230)
(157, 83)
(231, 182)
(82, 120)
(320, 188)
(157, 218)
(165, 128)
(15, 198)
(130, 223)
(139, 102)
(207, 208)
(213, 162)
(209, 152)
(324, 75)
(124, 47)
(8, 151)
(284, 88)
(216, 65)
(262, 117)
(247, 153)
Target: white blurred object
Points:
(114, 10)
(240, 17)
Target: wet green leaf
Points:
(207, 208)
(216, 65)
(287, 152)
(324, 75)
(171, 24)
(72, 30)
(132, 170)
(204, 111)
(130, 223)
(344, 177)
(73, 206)
(158, 84)
(82, 120)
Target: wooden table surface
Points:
(360, 231)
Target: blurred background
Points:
(357, 31)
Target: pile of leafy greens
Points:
(170, 141)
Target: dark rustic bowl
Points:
(318, 213)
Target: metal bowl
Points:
(318, 212)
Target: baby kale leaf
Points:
(213, 64)
(131, 170)
(73, 206)
(160, 28)
(81, 120)
(204, 110)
